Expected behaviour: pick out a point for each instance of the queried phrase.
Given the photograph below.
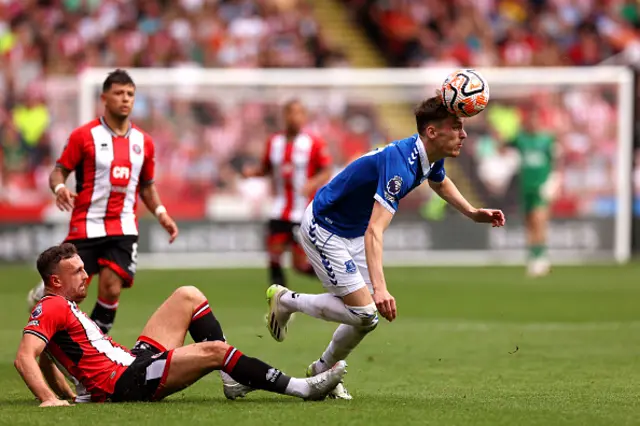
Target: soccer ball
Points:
(465, 93)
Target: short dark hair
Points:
(429, 111)
(118, 76)
(50, 258)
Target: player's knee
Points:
(368, 316)
(189, 293)
(214, 353)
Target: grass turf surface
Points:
(450, 358)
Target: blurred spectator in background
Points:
(203, 134)
(30, 119)
(499, 32)
(40, 39)
(515, 33)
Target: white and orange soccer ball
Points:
(465, 92)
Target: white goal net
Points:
(208, 123)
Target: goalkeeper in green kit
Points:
(538, 184)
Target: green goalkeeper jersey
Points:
(536, 154)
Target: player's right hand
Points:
(169, 225)
(55, 403)
(386, 304)
(64, 199)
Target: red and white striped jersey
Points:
(78, 346)
(109, 170)
(291, 163)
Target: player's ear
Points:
(431, 131)
(54, 281)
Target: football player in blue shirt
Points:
(342, 232)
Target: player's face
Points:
(449, 136)
(73, 278)
(118, 100)
(295, 117)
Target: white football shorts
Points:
(339, 262)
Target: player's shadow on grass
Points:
(253, 399)
(371, 398)
(30, 403)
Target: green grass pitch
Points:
(449, 359)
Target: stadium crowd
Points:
(480, 33)
(484, 33)
(43, 40)
(202, 143)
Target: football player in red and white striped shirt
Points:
(156, 367)
(114, 163)
(298, 164)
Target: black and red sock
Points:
(253, 372)
(104, 314)
(204, 326)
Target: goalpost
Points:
(590, 232)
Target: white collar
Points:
(110, 130)
(424, 160)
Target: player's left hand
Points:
(494, 217)
(386, 304)
(55, 402)
(169, 225)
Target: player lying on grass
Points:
(342, 230)
(157, 366)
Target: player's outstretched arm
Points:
(151, 199)
(373, 243)
(55, 378)
(30, 348)
(448, 191)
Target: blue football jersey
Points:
(385, 175)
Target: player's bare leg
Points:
(183, 311)
(537, 223)
(109, 288)
(187, 309)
